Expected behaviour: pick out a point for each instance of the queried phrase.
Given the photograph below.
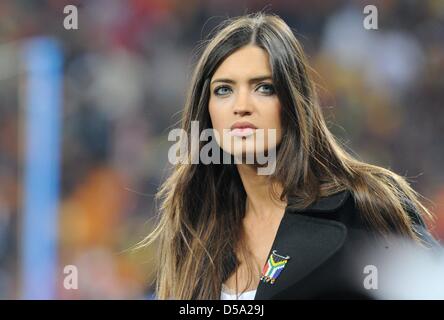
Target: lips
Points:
(242, 129)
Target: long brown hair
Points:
(202, 206)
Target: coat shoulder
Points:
(342, 207)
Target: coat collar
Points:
(325, 204)
(308, 240)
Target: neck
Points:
(260, 202)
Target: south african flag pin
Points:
(273, 268)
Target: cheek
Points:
(277, 121)
(213, 115)
(217, 115)
(274, 116)
(218, 121)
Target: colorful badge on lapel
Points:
(273, 268)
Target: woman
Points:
(224, 228)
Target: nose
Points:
(243, 105)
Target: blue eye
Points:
(269, 89)
(218, 91)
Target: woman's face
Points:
(242, 94)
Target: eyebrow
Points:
(251, 80)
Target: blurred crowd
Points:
(125, 73)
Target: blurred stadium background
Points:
(85, 114)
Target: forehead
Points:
(246, 62)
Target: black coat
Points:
(323, 242)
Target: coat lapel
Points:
(309, 242)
